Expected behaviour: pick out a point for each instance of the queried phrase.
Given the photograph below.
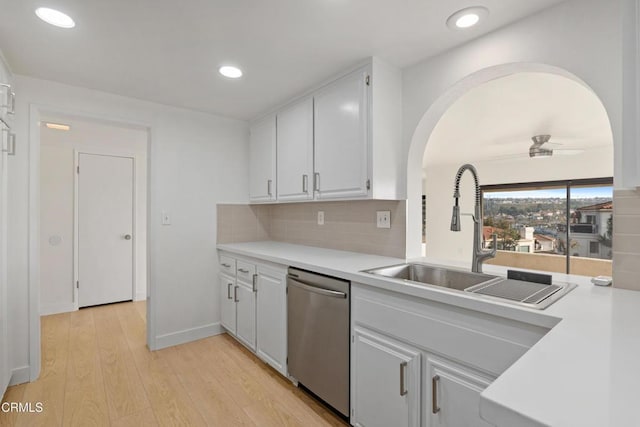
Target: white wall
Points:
(196, 160)
(57, 177)
(583, 37)
(438, 186)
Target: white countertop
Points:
(584, 372)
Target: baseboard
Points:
(187, 335)
(19, 375)
(61, 307)
(140, 296)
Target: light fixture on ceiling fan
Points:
(537, 149)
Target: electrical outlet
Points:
(166, 218)
(384, 219)
(320, 217)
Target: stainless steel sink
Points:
(432, 275)
(480, 285)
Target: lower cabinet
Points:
(227, 303)
(385, 381)
(272, 318)
(453, 394)
(246, 315)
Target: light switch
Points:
(384, 219)
(166, 218)
(320, 217)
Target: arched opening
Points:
(488, 119)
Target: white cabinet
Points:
(227, 303)
(245, 314)
(385, 381)
(262, 160)
(341, 113)
(295, 151)
(272, 318)
(453, 394)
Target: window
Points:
(558, 226)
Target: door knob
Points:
(127, 237)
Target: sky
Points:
(576, 193)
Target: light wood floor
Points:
(97, 371)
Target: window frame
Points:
(539, 185)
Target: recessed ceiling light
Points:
(58, 126)
(55, 17)
(467, 17)
(231, 72)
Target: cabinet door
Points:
(385, 381)
(227, 304)
(5, 374)
(295, 151)
(341, 112)
(271, 315)
(246, 315)
(262, 160)
(453, 395)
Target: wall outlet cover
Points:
(384, 219)
(166, 218)
(320, 217)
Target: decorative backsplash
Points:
(626, 239)
(348, 226)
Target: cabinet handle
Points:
(12, 144)
(403, 388)
(225, 265)
(269, 187)
(229, 285)
(316, 181)
(235, 294)
(255, 283)
(305, 183)
(242, 270)
(434, 394)
(12, 102)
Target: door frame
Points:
(32, 371)
(76, 217)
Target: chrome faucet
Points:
(479, 255)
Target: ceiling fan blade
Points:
(567, 152)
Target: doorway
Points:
(104, 219)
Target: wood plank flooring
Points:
(97, 371)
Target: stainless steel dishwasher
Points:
(318, 335)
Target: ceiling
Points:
(169, 52)
(496, 120)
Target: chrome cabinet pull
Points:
(229, 285)
(403, 388)
(242, 270)
(255, 283)
(305, 183)
(12, 102)
(434, 394)
(269, 187)
(225, 265)
(235, 294)
(316, 181)
(12, 144)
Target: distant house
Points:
(524, 244)
(587, 228)
(544, 243)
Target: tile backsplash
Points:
(626, 239)
(349, 226)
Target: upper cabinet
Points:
(262, 160)
(341, 141)
(295, 151)
(340, 132)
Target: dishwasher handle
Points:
(317, 290)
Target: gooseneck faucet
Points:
(479, 255)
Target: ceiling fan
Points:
(541, 147)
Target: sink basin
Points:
(432, 275)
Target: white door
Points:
(227, 304)
(453, 395)
(385, 381)
(246, 315)
(272, 318)
(4, 355)
(105, 229)
(295, 151)
(340, 138)
(262, 160)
